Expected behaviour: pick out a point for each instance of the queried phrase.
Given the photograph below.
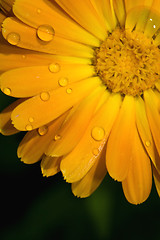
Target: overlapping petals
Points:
(73, 122)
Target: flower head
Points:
(87, 77)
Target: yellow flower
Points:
(87, 75)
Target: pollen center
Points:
(128, 62)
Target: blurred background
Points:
(38, 208)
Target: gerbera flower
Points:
(87, 77)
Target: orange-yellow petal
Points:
(50, 165)
(153, 116)
(77, 163)
(119, 146)
(145, 132)
(12, 57)
(138, 183)
(34, 144)
(85, 14)
(137, 14)
(156, 176)
(106, 12)
(38, 12)
(73, 129)
(6, 126)
(43, 78)
(47, 106)
(6, 6)
(45, 40)
(119, 7)
(153, 23)
(90, 182)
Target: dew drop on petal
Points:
(95, 151)
(13, 38)
(57, 137)
(24, 56)
(43, 130)
(44, 96)
(148, 143)
(29, 127)
(39, 10)
(97, 133)
(7, 91)
(31, 119)
(63, 82)
(45, 33)
(54, 67)
(69, 90)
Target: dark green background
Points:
(38, 208)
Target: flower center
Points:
(128, 62)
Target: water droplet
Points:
(45, 96)
(13, 38)
(31, 119)
(98, 133)
(148, 143)
(63, 82)
(39, 10)
(45, 33)
(54, 67)
(69, 90)
(7, 91)
(29, 127)
(57, 137)
(95, 151)
(24, 56)
(43, 130)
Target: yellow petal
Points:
(12, 57)
(6, 126)
(49, 105)
(137, 185)
(34, 144)
(119, 147)
(90, 182)
(36, 13)
(153, 116)
(76, 164)
(156, 176)
(2, 17)
(6, 6)
(153, 22)
(106, 12)
(72, 131)
(137, 14)
(43, 78)
(21, 35)
(84, 13)
(50, 165)
(119, 7)
(145, 132)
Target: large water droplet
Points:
(54, 67)
(13, 38)
(98, 133)
(45, 33)
(43, 130)
(63, 82)
(44, 96)
(7, 91)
